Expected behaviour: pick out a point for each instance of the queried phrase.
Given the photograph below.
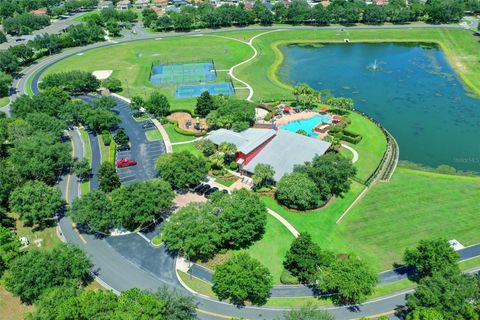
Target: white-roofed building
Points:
(281, 149)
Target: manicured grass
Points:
(85, 185)
(460, 47)
(469, 264)
(196, 284)
(131, 62)
(271, 249)
(141, 118)
(153, 135)
(157, 240)
(49, 235)
(393, 216)
(108, 152)
(371, 148)
(174, 135)
(4, 101)
(227, 182)
(190, 147)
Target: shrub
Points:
(233, 166)
(107, 138)
(112, 84)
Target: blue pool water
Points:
(306, 124)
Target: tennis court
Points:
(195, 90)
(183, 73)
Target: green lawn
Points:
(108, 152)
(131, 62)
(271, 249)
(414, 205)
(226, 181)
(153, 135)
(4, 101)
(371, 148)
(85, 185)
(190, 147)
(174, 135)
(196, 284)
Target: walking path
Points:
(255, 53)
(284, 222)
(355, 153)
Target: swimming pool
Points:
(306, 124)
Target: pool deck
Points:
(295, 117)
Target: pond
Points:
(410, 88)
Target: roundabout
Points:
(129, 261)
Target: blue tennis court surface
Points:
(195, 90)
(183, 73)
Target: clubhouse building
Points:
(282, 149)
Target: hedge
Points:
(350, 139)
(185, 133)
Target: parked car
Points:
(147, 124)
(196, 188)
(209, 192)
(123, 147)
(125, 162)
(203, 189)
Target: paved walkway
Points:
(355, 153)
(284, 222)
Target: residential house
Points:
(105, 5)
(142, 4)
(123, 5)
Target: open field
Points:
(131, 62)
(11, 308)
(190, 147)
(414, 205)
(271, 249)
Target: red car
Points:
(125, 162)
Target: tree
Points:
(242, 218)
(374, 14)
(5, 82)
(204, 104)
(121, 137)
(82, 169)
(331, 174)
(36, 202)
(112, 84)
(231, 113)
(308, 312)
(444, 11)
(48, 304)
(42, 122)
(8, 63)
(94, 211)
(351, 279)
(424, 314)
(9, 180)
(158, 104)
(99, 119)
(242, 278)
(35, 271)
(72, 81)
(177, 306)
(430, 256)
(182, 169)
(305, 258)
(320, 15)
(194, 230)
(206, 146)
(343, 104)
(297, 191)
(40, 157)
(140, 203)
(305, 95)
(452, 294)
(108, 178)
(9, 248)
(3, 37)
(298, 12)
(137, 103)
(263, 176)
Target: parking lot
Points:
(142, 150)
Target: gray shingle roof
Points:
(286, 150)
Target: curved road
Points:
(128, 261)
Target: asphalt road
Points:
(129, 261)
